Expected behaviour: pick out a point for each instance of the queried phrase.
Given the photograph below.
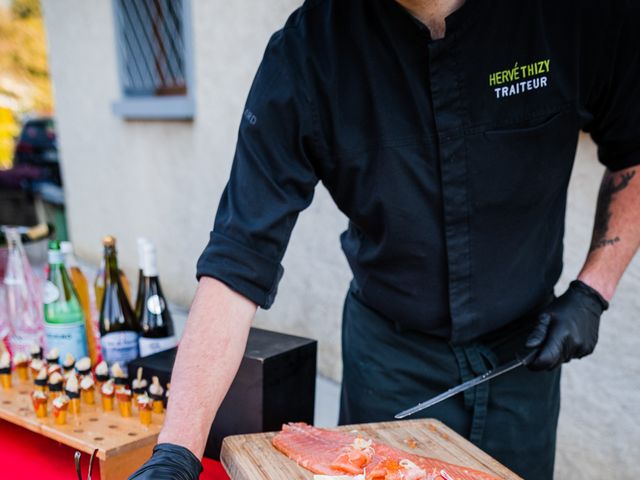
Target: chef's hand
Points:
(568, 327)
(169, 462)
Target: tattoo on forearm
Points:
(611, 184)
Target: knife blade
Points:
(485, 377)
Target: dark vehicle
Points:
(37, 146)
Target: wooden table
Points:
(252, 457)
(123, 444)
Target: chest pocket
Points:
(521, 166)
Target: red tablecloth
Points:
(25, 455)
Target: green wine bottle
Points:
(63, 317)
(118, 327)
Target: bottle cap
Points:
(66, 247)
(149, 260)
(141, 241)
(109, 241)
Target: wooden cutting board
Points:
(252, 457)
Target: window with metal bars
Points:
(153, 38)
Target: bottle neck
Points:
(111, 264)
(55, 257)
(150, 264)
(141, 243)
(13, 239)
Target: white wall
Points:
(163, 179)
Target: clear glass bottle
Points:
(23, 297)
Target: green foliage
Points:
(26, 9)
(24, 69)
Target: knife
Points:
(485, 377)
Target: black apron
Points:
(513, 417)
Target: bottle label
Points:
(149, 346)
(67, 337)
(120, 347)
(50, 293)
(155, 304)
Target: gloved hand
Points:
(169, 462)
(568, 327)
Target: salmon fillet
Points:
(331, 452)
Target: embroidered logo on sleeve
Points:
(520, 78)
(250, 117)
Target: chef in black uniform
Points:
(446, 132)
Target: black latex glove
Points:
(169, 462)
(568, 327)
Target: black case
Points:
(274, 385)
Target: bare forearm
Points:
(616, 231)
(207, 361)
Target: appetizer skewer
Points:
(139, 385)
(124, 401)
(5, 369)
(21, 362)
(39, 400)
(118, 375)
(55, 384)
(53, 356)
(69, 363)
(41, 379)
(87, 388)
(145, 406)
(156, 392)
(54, 367)
(72, 390)
(35, 366)
(102, 373)
(60, 405)
(83, 366)
(107, 390)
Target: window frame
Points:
(157, 107)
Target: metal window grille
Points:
(152, 47)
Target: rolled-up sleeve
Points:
(616, 104)
(272, 179)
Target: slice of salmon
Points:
(331, 452)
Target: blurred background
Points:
(120, 117)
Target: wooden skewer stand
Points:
(123, 444)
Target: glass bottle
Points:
(156, 325)
(23, 297)
(140, 294)
(64, 322)
(118, 327)
(81, 287)
(98, 284)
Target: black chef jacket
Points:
(450, 157)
